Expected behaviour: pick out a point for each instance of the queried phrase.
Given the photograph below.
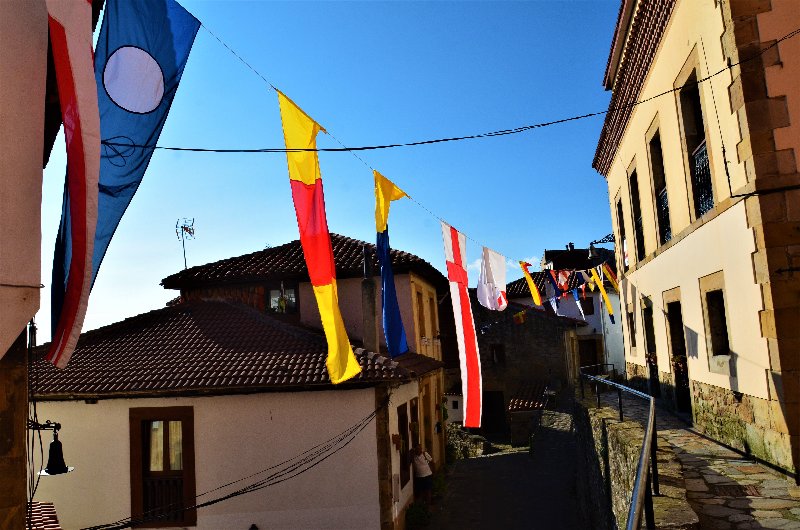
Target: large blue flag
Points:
(139, 61)
(140, 56)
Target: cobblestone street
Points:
(512, 490)
(727, 490)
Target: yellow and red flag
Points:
(300, 132)
(609, 275)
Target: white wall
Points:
(725, 243)
(454, 415)
(235, 436)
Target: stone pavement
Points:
(727, 490)
(512, 490)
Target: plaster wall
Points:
(352, 311)
(23, 69)
(724, 244)
(691, 40)
(699, 247)
(235, 436)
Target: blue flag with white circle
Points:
(141, 53)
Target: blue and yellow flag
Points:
(386, 192)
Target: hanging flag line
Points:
(353, 150)
(502, 132)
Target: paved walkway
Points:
(512, 490)
(727, 490)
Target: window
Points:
(498, 354)
(695, 144)
(632, 327)
(649, 331)
(455, 404)
(421, 316)
(621, 222)
(405, 450)
(717, 323)
(660, 189)
(587, 304)
(162, 466)
(636, 209)
(283, 300)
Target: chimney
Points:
(369, 306)
(571, 246)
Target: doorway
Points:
(680, 368)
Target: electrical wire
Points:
(114, 145)
(502, 132)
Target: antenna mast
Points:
(184, 229)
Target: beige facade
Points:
(704, 197)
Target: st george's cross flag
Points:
(492, 281)
(469, 357)
(141, 53)
(300, 132)
(70, 25)
(385, 192)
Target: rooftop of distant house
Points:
(286, 262)
(207, 347)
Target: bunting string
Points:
(113, 144)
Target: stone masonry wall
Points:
(753, 425)
(608, 451)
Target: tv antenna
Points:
(184, 229)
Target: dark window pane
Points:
(717, 323)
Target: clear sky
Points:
(370, 73)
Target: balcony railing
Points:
(701, 180)
(163, 498)
(662, 207)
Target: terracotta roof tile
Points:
(211, 346)
(287, 262)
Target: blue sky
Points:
(370, 73)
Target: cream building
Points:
(705, 202)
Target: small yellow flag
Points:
(385, 192)
(300, 132)
(599, 284)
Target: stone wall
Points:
(637, 376)
(608, 451)
(753, 425)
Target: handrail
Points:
(640, 497)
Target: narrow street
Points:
(514, 490)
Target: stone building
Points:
(705, 201)
(516, 355)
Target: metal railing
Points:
(647, 467)
(701, 176)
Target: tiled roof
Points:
(635, 51)
(418, 364)
(287, 262)
(530, 396)
(204, 347)
(42, 516)
(519, 288)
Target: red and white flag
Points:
(492, 281)
(471, 385)
(70, 24)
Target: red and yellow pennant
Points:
(300, 132)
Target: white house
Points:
(160, 411)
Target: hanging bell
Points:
(55, 459)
